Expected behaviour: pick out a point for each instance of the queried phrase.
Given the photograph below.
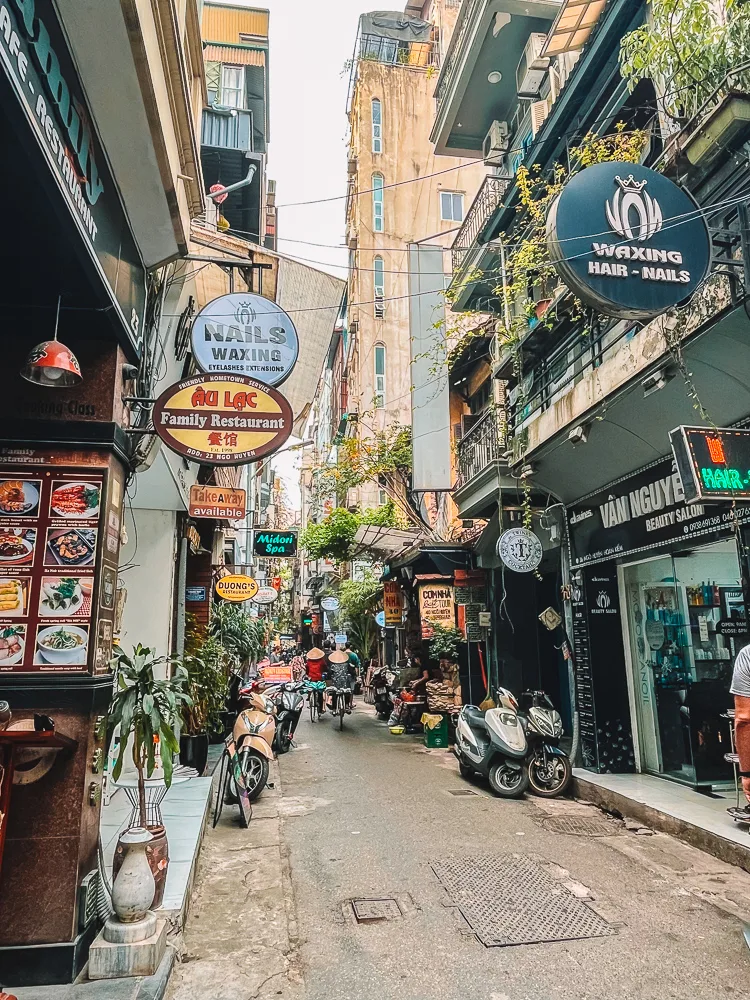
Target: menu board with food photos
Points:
(59, 541)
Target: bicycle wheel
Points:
(313, 699)
(342, 710)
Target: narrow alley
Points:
(365, 815)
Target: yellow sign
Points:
(393, 604)
(436, 607)
(236, 588)
(222, 420)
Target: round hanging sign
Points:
(520, 550)
(245, 334)
(266, 595)
(330, 604)
(380, 619)
(627, 241)
(222, 419)
(236, 588)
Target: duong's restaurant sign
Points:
(642, 512)
(225, 420)
(627, 240)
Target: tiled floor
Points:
(184, 810)
(675, 800)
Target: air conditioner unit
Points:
(539, 112)
(379, 306)
(496, 144)
(532, 67)
(351, 166)
(352, 241)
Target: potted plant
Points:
(146, 707)
(202, 714)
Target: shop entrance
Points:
(682, 611)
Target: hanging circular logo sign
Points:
(223, 419)
(380, 619)
(245, 334)
(266, 595)
(236, 588)
(627, 241)
(520, 550)
(330, 604)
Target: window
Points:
(379, 376)
(377, 126)
(451, 206)
(382, 498)
(233, 86)
(378, 271)
(377, 203)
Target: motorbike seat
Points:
(475, 717)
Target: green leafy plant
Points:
(359, 600)
(687, 47)
(241, 636)
(333, 536)
(207, 686)
(445, 642)
(147, 707)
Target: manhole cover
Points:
(368, 911)
(509, 899)
(582, 826)
(461, 791)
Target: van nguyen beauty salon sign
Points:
(627, 240)
(222, 420)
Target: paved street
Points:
(363, 814)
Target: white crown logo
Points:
(631, 196)
(244, 314)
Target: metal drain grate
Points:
(582, 826)
(509, 899)
(369, 911)
(462, 791)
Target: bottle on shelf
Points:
(717, 595)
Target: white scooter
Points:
(493, 743)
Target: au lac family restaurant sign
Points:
(41, 72)
(222, 420)
(627, 240)
(642, 512)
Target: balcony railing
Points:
(228, 128)
(488, 198)
(482, 445)
(464, 24)
(411, 54)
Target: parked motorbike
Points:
(289, 701)
(550, 770)
(381, 683)
(493, 743)
(253, 732)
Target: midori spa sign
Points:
(627, 240)
(222, 420)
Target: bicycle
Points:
(315, 698)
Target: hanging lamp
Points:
(51, 363)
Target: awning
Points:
(384, 542)
(394, 24)
(234, 55)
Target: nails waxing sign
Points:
(245, 334)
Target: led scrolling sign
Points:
(713, 462)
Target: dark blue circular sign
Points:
(627, 241)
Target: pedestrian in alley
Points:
(741, 690)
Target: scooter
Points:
(550, 770)
(493, 743)
(289, 701)
(381, 682)
(253, 732)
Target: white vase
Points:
(134, 886)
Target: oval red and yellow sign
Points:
(223, 419)
(236, 588)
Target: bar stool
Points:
(734, 759)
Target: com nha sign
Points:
(627, 241)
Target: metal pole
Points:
(181, 584)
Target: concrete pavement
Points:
(362, 813)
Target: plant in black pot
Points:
(146, 708)
(202, 715)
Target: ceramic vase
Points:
(133, 888)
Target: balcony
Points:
(394, 40)
(227, 128)
(480, 463)
(483, 207)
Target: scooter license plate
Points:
(379, 690)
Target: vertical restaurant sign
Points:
(39, 67)
(59, 543)
(436, 607)
(393, 604)
(222, 419)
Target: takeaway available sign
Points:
(217, 502)
(222, 419)
(245, 334)
(627, 241)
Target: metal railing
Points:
(488, 198)
(228, 128)
(464, 23)
(393, 52)
(482, 445)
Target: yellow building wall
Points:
(225, 24)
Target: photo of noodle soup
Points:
(61, 644)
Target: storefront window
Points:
(680, 614)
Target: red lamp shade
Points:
(52, 363)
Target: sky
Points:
(309, 45)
